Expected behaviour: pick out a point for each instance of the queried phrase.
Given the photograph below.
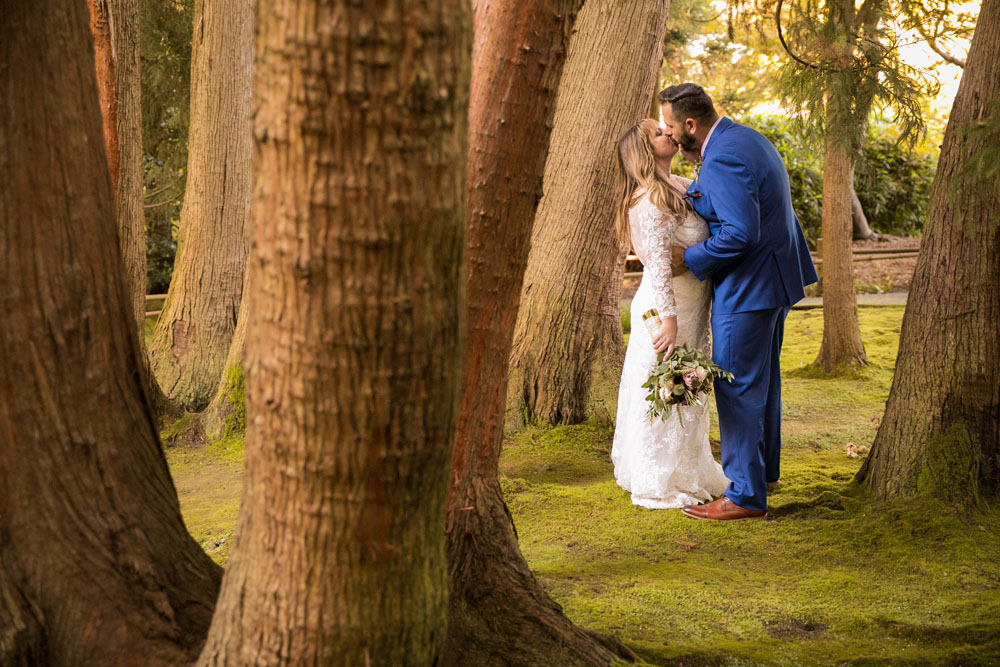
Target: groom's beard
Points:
(687, 141)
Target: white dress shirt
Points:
(708, 137)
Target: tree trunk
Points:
(940, 435)
(842, 346)
(568, 347)
(191, 340)
(114, 25)
(500, 615)
(225, 415)
(352, 340)
(97, 567)
(859, 221)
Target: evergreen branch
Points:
(788, 50)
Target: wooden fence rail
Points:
(860, 255)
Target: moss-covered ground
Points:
(831, 577)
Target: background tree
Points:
(500, 614)
(844, 62)
(568, 347)
(225, 415)
(190, 343)
(98, 568)
(940, 435)
(114, 25)
(359, 218)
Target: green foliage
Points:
(893, 183)
(165, 48)
(706, 46)
(626, 318)
(836, 76)
(892, 179)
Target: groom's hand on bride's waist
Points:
(677, 264)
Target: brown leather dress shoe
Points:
(722, 509)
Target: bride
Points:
(663, 464)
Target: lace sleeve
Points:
(656, 235)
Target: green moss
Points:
(147, 327)
(225, 419)
(180, 429)
(832, 577)
(209, 482)
(952, 467)
(235, 394)
(626, 316)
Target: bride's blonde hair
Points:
(637, 170)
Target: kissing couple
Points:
(725, 249)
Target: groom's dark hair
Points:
(689, 100)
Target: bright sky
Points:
(918, 54)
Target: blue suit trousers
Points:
(748, 345)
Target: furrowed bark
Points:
(98, 568)
(353, 336)
(568, 346)
(114, 25)
(192, 337)
(940, 435)
(500, 615)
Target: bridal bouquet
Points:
(684, 378)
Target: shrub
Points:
(894, 185)
(892, 181)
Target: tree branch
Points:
(784, 44)
(932, 42)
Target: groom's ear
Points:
(691, 125)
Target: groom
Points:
(758, 261)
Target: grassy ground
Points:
(830, 578)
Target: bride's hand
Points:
(666, 336)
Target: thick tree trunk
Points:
(192, 337)
(22, 633)
(940, 435)
(842, 346)
(114, 25)
(568, 346)
(104, 66)
(94, 553)
(500, 615)
(225, 415)
(352, 340)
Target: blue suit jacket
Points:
(757, 255)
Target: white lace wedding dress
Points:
(663, 464)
